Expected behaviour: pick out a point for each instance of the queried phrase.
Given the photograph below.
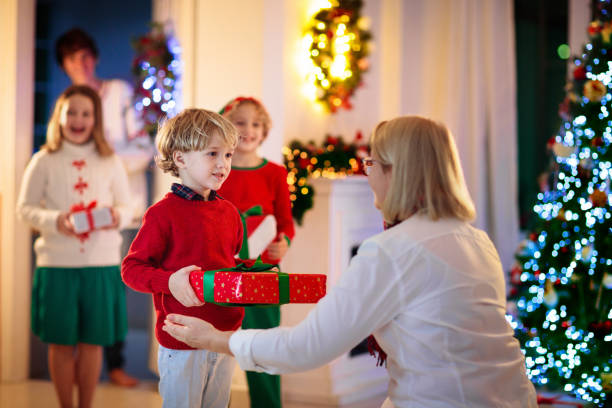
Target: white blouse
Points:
(433, 295)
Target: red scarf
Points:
(373, 346)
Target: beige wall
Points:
(250, 47)
(16, 116)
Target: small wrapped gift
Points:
(259, 232)
(88, 218)
(256, 285)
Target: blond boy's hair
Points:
(426, 172)
(55, 136)
(190, 130)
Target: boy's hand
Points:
(181, 289)
(278, 248)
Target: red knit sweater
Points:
(176, 233)
(264, 185)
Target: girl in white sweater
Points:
(78, 301)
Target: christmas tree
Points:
(562, 282)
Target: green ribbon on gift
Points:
(244, 250)
(283, 283)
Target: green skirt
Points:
(79, 305)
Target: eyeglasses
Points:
(368, 162)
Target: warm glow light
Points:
(338, 66)
(318, 5)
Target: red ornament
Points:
(303, 163)
(594, 28)
(601, 330)
(533, 236)
(579, 73)
(597, 141)
(515, 275)
(331, 140)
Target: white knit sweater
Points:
(53, 183)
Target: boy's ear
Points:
(179, 159)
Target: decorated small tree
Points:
(156, 69)
(562, 282)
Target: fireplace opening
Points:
(362, 347)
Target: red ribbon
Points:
(556, 400)
(232, 104)
(82, 207)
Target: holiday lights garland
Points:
(335, 46)
(561, 291)
(333, 159)
(157, 71)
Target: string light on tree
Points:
(561, 289)
(157, 70)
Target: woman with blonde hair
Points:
(430, 288)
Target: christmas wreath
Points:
(335, 44)
(156, 69)
(333, 159)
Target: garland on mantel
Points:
(334, 158)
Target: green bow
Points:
(208, 283)
(244, 250)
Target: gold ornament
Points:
(594, 90)
(606, 381)
(607, 280)
(550, 295)
(598, 198)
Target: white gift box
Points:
(85, 221)
(261, 232)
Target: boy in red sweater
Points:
(257, 181)
(191, 228)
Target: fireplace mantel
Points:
(342, 217)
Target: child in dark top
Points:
(191, 228)
(256, 181)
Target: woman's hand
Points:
(197, 333)
(278, 248)
(181, 288)
(64, 226)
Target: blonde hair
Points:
(232, 106)
(188, 131)
(55, 136)
(426, 172)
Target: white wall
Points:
(16, 116)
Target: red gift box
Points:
(226, 287)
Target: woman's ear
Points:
(179, 159)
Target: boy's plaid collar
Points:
(185, 192)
